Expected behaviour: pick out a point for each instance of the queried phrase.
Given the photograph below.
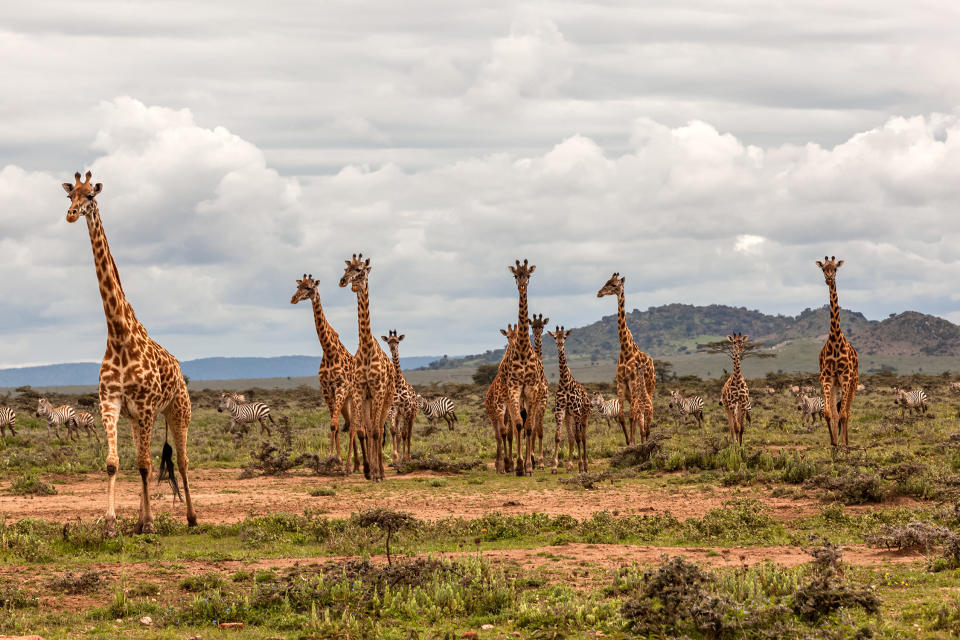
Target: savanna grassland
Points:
(684, 536)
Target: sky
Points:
(708, 151)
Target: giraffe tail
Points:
(166, 470)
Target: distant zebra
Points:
(8, 418)
(812, 407)
(82, 421)
(245, 413)
(55, 416)
(861, 387)
(690, 406)
(915, 400)
(955, 387)
(606, 409)
(442, 407)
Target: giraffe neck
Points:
(834, 311)
(562, 363)
(395, 356)
(623, 331)
(538, 343)
(366, 343)
(523, 325)
(329, 338)
(736, 364)
(116, 308)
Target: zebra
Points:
(55, 416)
(244, 413)
(606, 409)
(82, 421)
(8, 418)
(813, 407)
(915, 400)
(442, 407)
(691, 406)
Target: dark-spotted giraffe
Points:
(735, 396)
(839, 365)
(537, 324)
(572, 409)
(404, 409)
(138, 378)
(495, 403)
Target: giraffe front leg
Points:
(829, 409)
(623, 393)
(849, 388)
(558, 414)
(142, 428)
(110, 414)
(571, 440)
(178, 423)
(335, 402)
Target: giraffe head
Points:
(614, 286)
(522, 272)
(510, 332)
(393, 340)
(305, 289)
(81, 196)
(829, 267)
(560, 336)
(738, 340)
(356, 273)
(538, 322)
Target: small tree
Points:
(386, 520)
(663, 370)
(485, 373)
(750, 349)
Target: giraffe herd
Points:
(140, 380)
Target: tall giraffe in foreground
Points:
(572, 408)
(839, 365)
(335, 373)
(495, 403)
(537, 324)
(735, 396)
(404, 402)
(630, 385)
(138, 377)
(374, 381)
(523, 376)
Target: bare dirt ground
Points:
(221, 497)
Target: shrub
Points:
(826, 592)
(386, 520)
(850, 488)
(31, 485)
(317, 492)
(74, 583)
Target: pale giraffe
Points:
(138, 377)
(523, 377)
(374, 381)
(735, 396)
(537, 324)
(403, 412)
(630, 387)
(335, 373)
(495, 403)
(839, 365)
(572, 409)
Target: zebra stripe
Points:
(55, 416)
(915, 400)
(245, 413)
(8, 418)
(442, 407)
(689, 406)
(812, 407)
(84, 421)
(605, 409)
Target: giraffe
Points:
(735, 396)
(523, 377)
(404, 409)
(537, 324)
(629, 385)
(374, 381)
(138, 377)
(495, 403)
(572, 408)
(335, 373)
(839, 365)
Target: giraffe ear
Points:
(97, 188)
(623, 280)
(819, 264)
(401, 336)
(551, 334)
(730, 338)
(533, 267)
(504, 332)
(839, 263)
(567, 334)
(384, 338)
(67, 187)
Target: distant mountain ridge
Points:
(675, 329)
(81, 373)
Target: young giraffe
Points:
(630, 387)
(839, 365)
(138, 377)
(374, 382)
(335, 373)
(735, 397)
(537, 324)
(495, 403)
(404, 408)
(572, 409)
(523, 376)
